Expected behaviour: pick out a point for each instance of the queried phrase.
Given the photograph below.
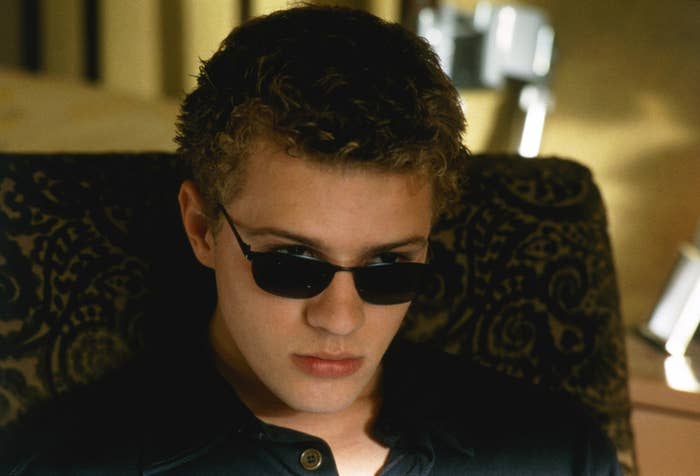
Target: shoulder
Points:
(498, 419)
(95, 423)
(115, 425)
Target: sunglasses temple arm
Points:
(245, 247)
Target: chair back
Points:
(94, 265)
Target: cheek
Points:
(236, 288)
(383, 322)
(257, 321)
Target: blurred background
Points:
(624, 98)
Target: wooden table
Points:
(666, 421)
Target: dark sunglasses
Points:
(302, 277)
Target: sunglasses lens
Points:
(291, 276)
(389, 283)
(300, 278)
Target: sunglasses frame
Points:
(330, 268)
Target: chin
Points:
(324, 398)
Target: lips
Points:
(327, 366)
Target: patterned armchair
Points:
(94, 264)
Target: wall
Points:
(10, 33)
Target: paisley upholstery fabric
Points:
(95, 268)
(525, 284)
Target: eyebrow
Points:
(319, 246)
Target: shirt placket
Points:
(298, 453)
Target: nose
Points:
(338, 309)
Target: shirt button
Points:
(311, 459)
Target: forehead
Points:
(332, 203)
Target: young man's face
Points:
(285, 350)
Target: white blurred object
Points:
(535, 101)
(680, 374)
(677, 314)
(457, 42)
(438, 27)
(496, 44)
(498, 41)
(519, 43)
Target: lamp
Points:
(676, 317)
(495, 45)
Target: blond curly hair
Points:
(329, 84)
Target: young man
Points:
(317, 136)
(323, 142)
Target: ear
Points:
(195, 223)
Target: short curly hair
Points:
(329, 84)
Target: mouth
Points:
(326, 365)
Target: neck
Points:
(357, 418)
(347, 431)
(338, 428)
